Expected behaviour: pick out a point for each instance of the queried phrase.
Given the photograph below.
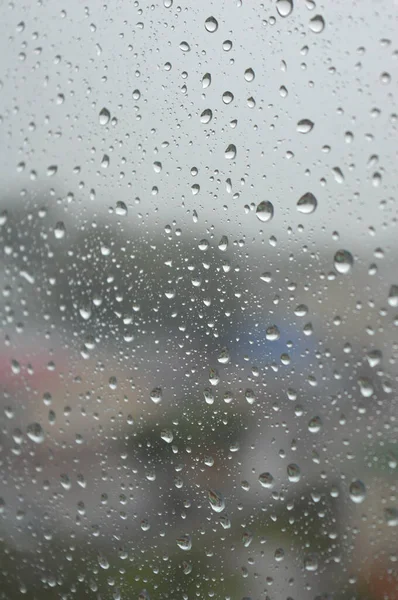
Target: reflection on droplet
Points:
(343, 261)
(265, 211)
(284, 7)
(307, 203)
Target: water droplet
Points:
(167, 435)
(357, 491)
(311, 562)
(223, 243)
(104, 116)
(317, 24)
(225, 521)
(206, 116)
(343, 261)
(52, 170)
(365, 387)
(266, 480)
(211, 24)
(65, 481)
(184, 542)
(230, 152)
(250, 396)
(249, 74)
(315, 425)
(307, 203)
(374, 357)
(35, 433)
(293, 473)
(156, 395)
(272, 333)
(216, 500)
(284, 7)
(227, 97)
(224, 356)
(186, 567)
(393, 296)
(185, 47)
(305, 126)
(206, 80)
(59, 230)
(247, 538)
(338, 175)
(265, 211)
(227, 45)
(391, 516)
(121, 208)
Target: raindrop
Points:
(315, 425)
(343, 261)
(211, 24)
(206, 80)
(227, 97)
(305, 126)
(59, 230)
(35, 433)
(265, 211)
(284, 7)
(293, 473)
(216, 500)
(266, 480)
(185, 47)
(230, 152)
(156, 395)
(317, 24)
(391, 516)
(184, 542)
(357, 491)
(206, 116)
(393, 296)
(52, 170)
(224, 356)
(167, 435)
(307, 203)
(121, 208)
(272, 333)
(249, 75)
(104, 116)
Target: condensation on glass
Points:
(199, 300)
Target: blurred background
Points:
(199, 301)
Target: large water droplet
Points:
(104, 116)
(305, 126)
(206, 116)
(156, 395)
(393, 296)
(35, 433)
(284, 7)
(293, 473)
(357, 491)
(211, 24)
(184, 542)
(391, 516)
(216, 500)
(59, 230)
(343, 261)
(317, 24)
(230, 152)
(265, 211)
(307, 203)
(266, 480)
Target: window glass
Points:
(199, 300)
